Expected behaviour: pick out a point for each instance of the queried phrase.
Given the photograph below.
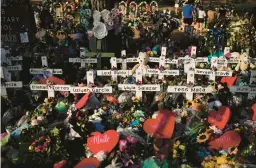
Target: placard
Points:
(89, 89)
(42, 71)
(16, 58)
(123, 73)
(170, 72)
(154, 59)
(185, 89)
(17, 84)
(14, 68)
(50, 87)
(201, 59)
(203, 71)
(169, 61)
(24, 37)
(132, 60)
(223, 73)
(140, 88)
(240, 89)
(16, 17)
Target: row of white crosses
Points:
(140, 88)
(6, 72)
(72, 89)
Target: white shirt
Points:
(201, 14)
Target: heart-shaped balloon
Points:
(88, 162)
(229, 80)
(225, 141)
(60, 164)
(254, 112)
(161, 127)
(219, 118)
(103, 142)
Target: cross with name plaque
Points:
(44, 60)
(189, 90)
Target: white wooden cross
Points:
(83, 61)
(114, 72)
(9, 84)
(244, 89)
(139, 88)
(189, 90)
(46, 69)
(72, 89)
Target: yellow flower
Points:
(182, 147)
(44, 111)
(174, 156)
(174, 152)
(30, 148)
(210, 164)
(201, 138)
(221, 160)
(237, 129)
(190, 103)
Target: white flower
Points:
(34, 122)
(225, 166)
(114, 164)
(99, 30)
(40, 118)
(101, 156)
(88, 154)
(154, 116)
(96, 16)
(142, 119)
(216, 130)
(178, 119)
(105, 15)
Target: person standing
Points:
(222, 13)
(201, 17)
(187, 13)
(211, 15)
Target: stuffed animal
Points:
(143, 61)
(244, 64)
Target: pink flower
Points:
(37, 149)
(40, 146)
(45, 144)
(34, 143)
(42, 137)
(131, 140)
(122, 145)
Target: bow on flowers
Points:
(139, 82)
(123, 143)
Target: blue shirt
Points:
(187, 11)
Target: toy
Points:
(143, 61)
(244, 63)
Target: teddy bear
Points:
(244, 63)
(143, 61)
